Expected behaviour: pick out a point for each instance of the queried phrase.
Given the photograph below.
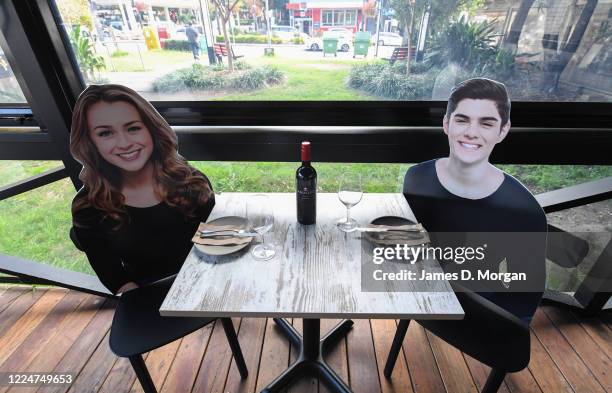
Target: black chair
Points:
(488, 333)
(138, 328)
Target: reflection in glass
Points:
(542, 50)
(10, 92)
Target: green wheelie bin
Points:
(362, 44)
(330, 46)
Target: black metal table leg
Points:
(310, 361)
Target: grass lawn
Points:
(306, 80)
(35, 225)
(154, 60)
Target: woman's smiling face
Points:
(119, 134)
(473, 129)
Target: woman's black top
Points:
(152, 245)
(510, 222)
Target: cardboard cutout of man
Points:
(466, 195)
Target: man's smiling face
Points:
(473, 129)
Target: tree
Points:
(224, 10)
(75, 12)
(255, 8)
(512, 39)
(404, 12)
(369, 11)
(557, 55)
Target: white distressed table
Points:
(316, 274)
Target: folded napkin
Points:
(219, 241)
(407, 235)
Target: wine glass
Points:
(259, 213)
(350, 193)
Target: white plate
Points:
(224, 250)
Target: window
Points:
(339, 18)
(350, 17)
(552, 51)
(328, 18)
(10, 92)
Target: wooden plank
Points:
(421, 362)
(251, 336)
(606, 317)
(598, 331)
(480, 373)
(120, 378)
(95, 371)
(20, 330)
(544, 370)
(362, 358)
(591, 354)
(567, 360)
(9, 294)
(84, 346)
(274, 355)
(57, 346)
(158, 363)
(217, 360)
(522, 382)
(318, 274)
(17, 308)
(36, 340)
(453, 368)
(184, 369)
(336, 358)
(383, 331)
(305, 384)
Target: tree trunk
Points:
(555, 64)
(228, 45)
(511, 41)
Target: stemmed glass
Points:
(259, 213)
(350, 193)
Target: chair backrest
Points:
(400, 53)
(220, 49)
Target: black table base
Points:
(310, 361)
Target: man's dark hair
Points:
(481, 89)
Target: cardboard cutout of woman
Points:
(467, 195)
(141, 202)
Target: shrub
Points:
(119, 53)
(467, 44)
(391, 81)
(180, 45)
(199, 77)
(297, 40)
(250, 39)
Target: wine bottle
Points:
(306, 189)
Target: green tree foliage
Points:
(75, 12)
(467, 44)
(87, 58)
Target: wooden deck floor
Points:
(51, 329)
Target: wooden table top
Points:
(315, 274)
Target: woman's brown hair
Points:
(178, 183)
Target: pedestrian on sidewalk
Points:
(192, 37)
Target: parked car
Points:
(390, 39)
(341, 32)
(344, 42)
(285, 33)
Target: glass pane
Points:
(10, 92)
(14, 171)
(35, 226)
(543, 50)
